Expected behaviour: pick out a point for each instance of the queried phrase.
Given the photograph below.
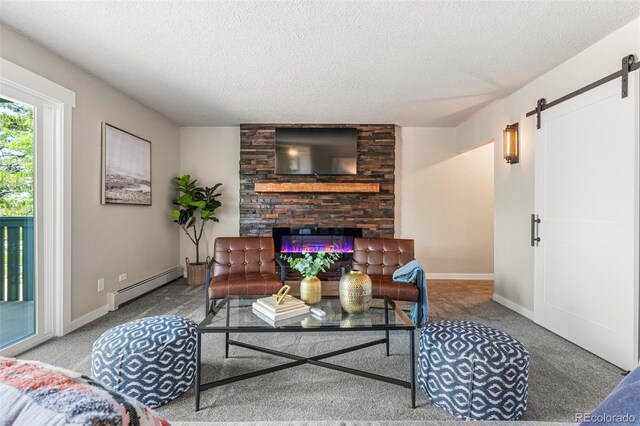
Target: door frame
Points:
(53, 206)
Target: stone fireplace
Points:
(371, 213)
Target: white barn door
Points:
(586, 196)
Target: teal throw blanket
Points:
(410, 273)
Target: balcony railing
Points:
(17, 277)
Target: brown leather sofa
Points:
(379, 258)
(242, 266)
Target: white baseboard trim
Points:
(460, 276)
(24, 345)
(87, 318)
(131, 292)
(513, 306)
(117, 298)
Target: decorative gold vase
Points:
(356, 292)
(311, 290)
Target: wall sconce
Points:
(510, 144)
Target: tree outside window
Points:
(16, 159)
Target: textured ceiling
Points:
(409, 63)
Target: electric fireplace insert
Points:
(313, 240)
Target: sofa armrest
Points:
(207, 278)
(210, 264)
(283, 268)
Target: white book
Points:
(287, 304)
(280, 322)
(302, 310)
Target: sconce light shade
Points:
(510, 144)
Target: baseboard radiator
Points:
(115, 299)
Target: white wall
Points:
(107, 240)
(444, 202)
(514, 185)
(212, 155)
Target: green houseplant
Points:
(310, 266)
(195, 207)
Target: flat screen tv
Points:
(309, 151)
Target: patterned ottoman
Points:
(472, 371)
(149, 359)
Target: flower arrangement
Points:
(309, 266)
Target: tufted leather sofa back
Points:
(381, 256)
(243, 255)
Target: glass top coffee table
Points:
(234, 314)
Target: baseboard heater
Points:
(116, 299)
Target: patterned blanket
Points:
(33, 393)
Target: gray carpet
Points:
(369, 423)
(564, 379)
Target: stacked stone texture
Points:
(373, 213)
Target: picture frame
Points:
(126, 167)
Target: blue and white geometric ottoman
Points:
(149, 359)
(472, 371)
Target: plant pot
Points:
(196, 273)
(311, 290)
(356, 292)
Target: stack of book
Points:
(268, 310)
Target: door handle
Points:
(535, 238)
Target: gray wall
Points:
(108, 240)
(212, 155)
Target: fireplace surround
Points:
(370, 211)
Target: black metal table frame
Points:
(300, 360)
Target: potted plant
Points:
(310, 266)
(196, 206)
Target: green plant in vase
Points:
(194, 208)
(310, 266)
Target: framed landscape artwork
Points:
(126, 167)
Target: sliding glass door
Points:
(17, 244)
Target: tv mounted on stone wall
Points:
(316, 151)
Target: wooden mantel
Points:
(350, 187)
